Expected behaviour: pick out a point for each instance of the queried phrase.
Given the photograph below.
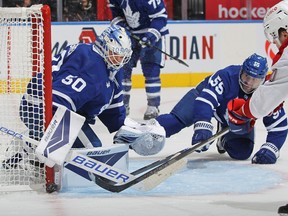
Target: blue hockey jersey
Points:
(221, 87)
(141, 14)
(82, 83)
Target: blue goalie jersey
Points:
(83, 84)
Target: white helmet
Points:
(114, 45)
(276, 18)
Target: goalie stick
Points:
(111, 174)
(154, 47)
(80, 159)
(159, 170)
(156, 173)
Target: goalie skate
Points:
(57, 184)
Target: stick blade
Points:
(154, 180)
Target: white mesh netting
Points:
(21, 58)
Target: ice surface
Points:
(210, 184)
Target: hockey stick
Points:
(81, 160)
(167, 167)
(162, 169)
(154, 47)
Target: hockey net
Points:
(25, 50)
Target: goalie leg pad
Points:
(145, 139)
(110, 163)
(59, 136)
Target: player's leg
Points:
(239, 147)
(153, 89)
(127, 73)
(31, 114)
(90, 145)
(127, 85)
(87, 138)
(21, 156)
(181, 115)
(152, 61)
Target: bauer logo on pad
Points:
(59, 136)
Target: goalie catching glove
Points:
(145, 139)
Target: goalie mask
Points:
(276, 19)
(114, 45)
(253, 73)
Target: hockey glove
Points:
(268, 154)
(145, 139)
(202, 131)
(120, 22)
(150, 38)
(238, 122)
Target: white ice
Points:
(210, 184)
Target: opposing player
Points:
(87, 81)
(209, 100)
(148, 21)
(274, 91)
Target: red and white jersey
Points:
(274, 91)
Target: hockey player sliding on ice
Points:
(148, 21)
(86, 84)
(274, 91)
(210, 98)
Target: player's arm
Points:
(239, 111)
(205, 104)
(117, 14)
(276, 125)
(113, 117)
(158, 26)
(158, 15)
(240, 119)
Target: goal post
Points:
(25, 53)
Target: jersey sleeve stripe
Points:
(205, 101)
(270, 127)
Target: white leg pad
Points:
(59, 136)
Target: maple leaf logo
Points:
(132, 18)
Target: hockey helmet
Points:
(275, 19)
(114, 45)
(253, 73)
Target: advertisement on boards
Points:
(237, 9)
(205, 46)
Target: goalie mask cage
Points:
(25, 52)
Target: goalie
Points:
(87, 83)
